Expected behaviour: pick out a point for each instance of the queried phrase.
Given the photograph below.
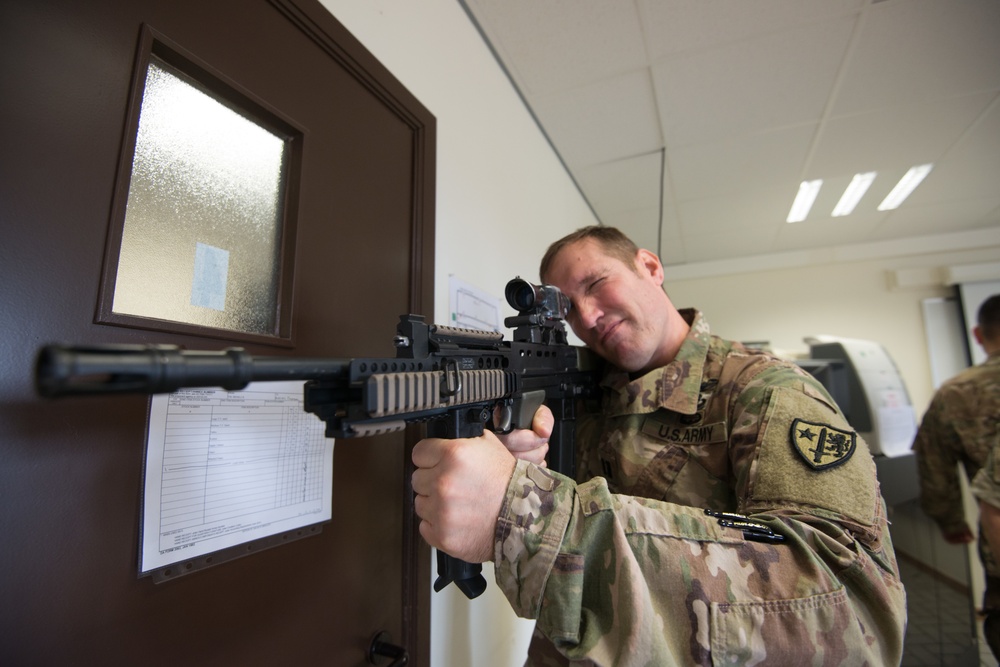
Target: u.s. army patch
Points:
(821, 445)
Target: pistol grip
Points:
(526, 407)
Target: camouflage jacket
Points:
(627, 568)
(960, 427)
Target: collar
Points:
(675, 386)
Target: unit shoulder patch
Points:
(789, 472)
(822, 446)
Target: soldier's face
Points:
(619, 311)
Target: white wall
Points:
(502, 197)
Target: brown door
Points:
(71, 470)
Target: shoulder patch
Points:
(820, 445)
(779, 477)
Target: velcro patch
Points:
(777, 477)
(822, 445)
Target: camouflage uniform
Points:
(961, 426)
(986, 483)
(627, 568)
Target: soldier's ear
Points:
(648, 264)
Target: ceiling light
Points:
(804, 200)
(852, 195)
(906, 185)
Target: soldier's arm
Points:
(938, 450)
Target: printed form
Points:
(228, 467)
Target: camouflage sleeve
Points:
(986, 484)
(621, 580)
(563, 550)
(938, 449)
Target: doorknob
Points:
(381, 647)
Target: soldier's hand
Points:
(531, 444)
(460, 485)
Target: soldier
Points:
(724, 512)
(961, 426)
(986, 488)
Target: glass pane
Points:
(202, 235)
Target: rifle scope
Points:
(545, 300)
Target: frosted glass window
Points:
(201, 241)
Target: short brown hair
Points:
(988, 318)
(612, 241)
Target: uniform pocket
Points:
(795, 631)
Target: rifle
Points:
(448, 378)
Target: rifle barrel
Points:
(155, 369)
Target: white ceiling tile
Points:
(771, 81)
(971, 169)
(826, 231)
(608, 120)
(560, 44)
(759, 212)
(672, 249)
(671, 26)
(642, 226)
(917, 50)
(894, 137)
(736, 244)
(623, 185)
(935, 218)
(673, 253)
(739, 164)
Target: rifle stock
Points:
(451, 379)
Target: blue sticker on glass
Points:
(211, 272)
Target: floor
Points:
(939, 630)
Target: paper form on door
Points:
(228, 467)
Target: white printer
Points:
(878, 406)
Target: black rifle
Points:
(452, 379)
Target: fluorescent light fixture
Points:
(852, 195)
(804, 200)
(907, 184)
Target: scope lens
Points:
(520, 294)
